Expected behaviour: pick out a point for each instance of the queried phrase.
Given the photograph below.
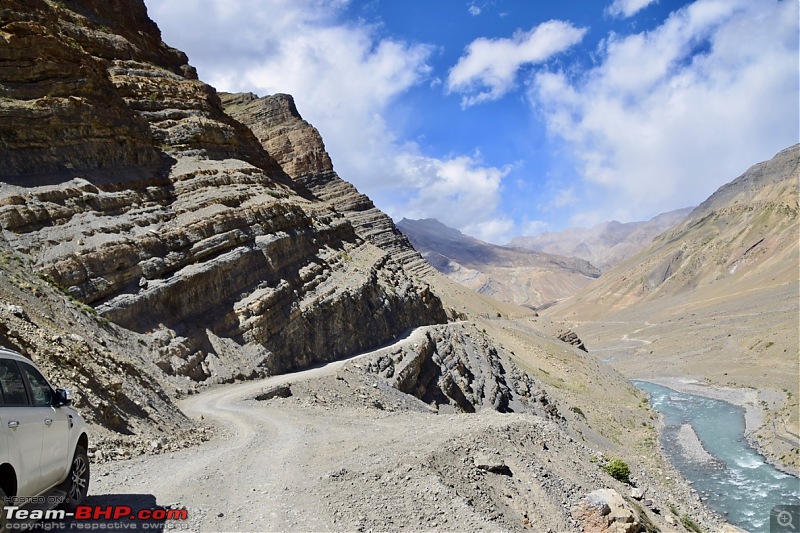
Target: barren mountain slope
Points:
(714, 298)
(524, 277)
(604, 245)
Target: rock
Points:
(278, 391)
(491, 462)
(570, 337)
(140, 195)
(17, 311)
(604, 510)
(637, 493)
(488, 461)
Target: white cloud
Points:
(534, 227)
(474, 10)
(344, 78)
(671, 114)
(489, 67)
(565, 197)
(627, 8)
(458, 191)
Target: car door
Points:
(22, 427)
(55, 423)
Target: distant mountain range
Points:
(534, 271)
(746, 232)
(604, 245)
(525, 277)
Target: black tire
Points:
(4, 500)
(77, 484)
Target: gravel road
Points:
(258, 474)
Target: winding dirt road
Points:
(259, 473)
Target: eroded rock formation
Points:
(126, 183)
(457, 367)
(299, 149)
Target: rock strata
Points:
(130, 187)
(456, 368)
(570, 337)
(298, 148)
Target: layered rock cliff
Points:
(299, 149)
(124, 182)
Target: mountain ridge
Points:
(524, 277)
(604, 245)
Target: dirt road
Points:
(257, 474)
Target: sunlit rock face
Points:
(126, 183)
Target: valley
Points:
(250, 338)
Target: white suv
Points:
(43, 441)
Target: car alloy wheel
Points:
(78, 478)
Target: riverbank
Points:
(702, 437)
(751, 400)
(748, 399)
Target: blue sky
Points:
(511, 117)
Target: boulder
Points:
(604, 510)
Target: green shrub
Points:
(618, 469)
(690, 524)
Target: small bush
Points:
(690, 524)
(618, 469)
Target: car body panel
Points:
(22, 440)
(40, 448)
(55, 455)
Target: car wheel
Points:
(77, 484)
(4, 500)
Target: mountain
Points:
(299, 149)
(715, 297)
(159, 238)
(604, 245)
(509, 274)
(126, 184)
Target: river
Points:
(728, 474)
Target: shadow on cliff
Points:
(105, 178)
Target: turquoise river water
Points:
(737, 483)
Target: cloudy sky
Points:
(511, 117)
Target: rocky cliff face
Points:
(125, 183)
(298, 148)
